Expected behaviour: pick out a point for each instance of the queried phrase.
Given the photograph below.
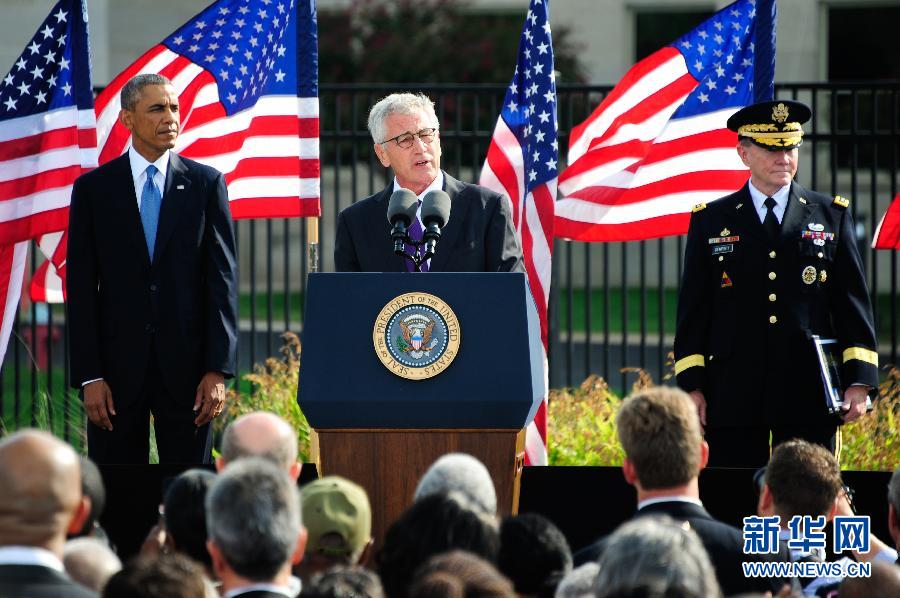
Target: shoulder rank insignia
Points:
(699, 207)
(842, 202)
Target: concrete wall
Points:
(122, 30)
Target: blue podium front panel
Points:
(495, 378)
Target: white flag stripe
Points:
(673, 203)
(612, 171)
(272, 187)
(13, 292)
(506, 141)
(679, 128)
(48, 243)
(267, 106)
(540, 246)
(534, 447)
(28, 126)
(47, 160)
(646, 130)
(253, 147)
(29, 205)
(610, 176)
(666, 73)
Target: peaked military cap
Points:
(774, 125)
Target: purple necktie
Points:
(415, 234)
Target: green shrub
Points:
(871, 443)
(582, 431)
(275, 390)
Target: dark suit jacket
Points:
(751, 369)
(121, 306)
(34, 581)
(479, 237)
(723, 543)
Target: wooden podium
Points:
(383, 430)
(389, 463)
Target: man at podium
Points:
(478, 236)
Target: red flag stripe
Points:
(35, 225)
(43, 142)
(887, 235)
(274, 167)
(274, 207)
(638, 74)
(260, 126)
(650, 228)
(697, 181)
(50, 179)
(666, 100)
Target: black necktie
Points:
(770, 223)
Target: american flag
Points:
(522, 163)
(887, 235)
(246, 72)
(47, 139)
(657, 144)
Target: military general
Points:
(766, 269)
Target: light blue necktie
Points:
(151, 200)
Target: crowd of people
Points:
(248, 530)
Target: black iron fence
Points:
(612, 305)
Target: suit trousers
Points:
(749, 446)
(178, 440)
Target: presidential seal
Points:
(416, 336)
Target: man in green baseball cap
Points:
(338, 517)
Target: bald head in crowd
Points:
(41, 499)
(261, 434)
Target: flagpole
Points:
(312, 243)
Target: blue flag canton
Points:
(54, 69)
(248, 46)
(530, 102)
(720, 54)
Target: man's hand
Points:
(700, 402)
(210, 399)
(854, 403)
(98, 404)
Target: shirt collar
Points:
(436, 185)
(676, 498)
(759, 198)
(30, 555)
(139, 164)
(290, 591)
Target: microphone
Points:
(435, 214)
(401, 212)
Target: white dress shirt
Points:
(139, 166)
(759, 200)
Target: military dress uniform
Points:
(748, 306)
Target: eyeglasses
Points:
(405, 140)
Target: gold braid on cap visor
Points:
(789, 134)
